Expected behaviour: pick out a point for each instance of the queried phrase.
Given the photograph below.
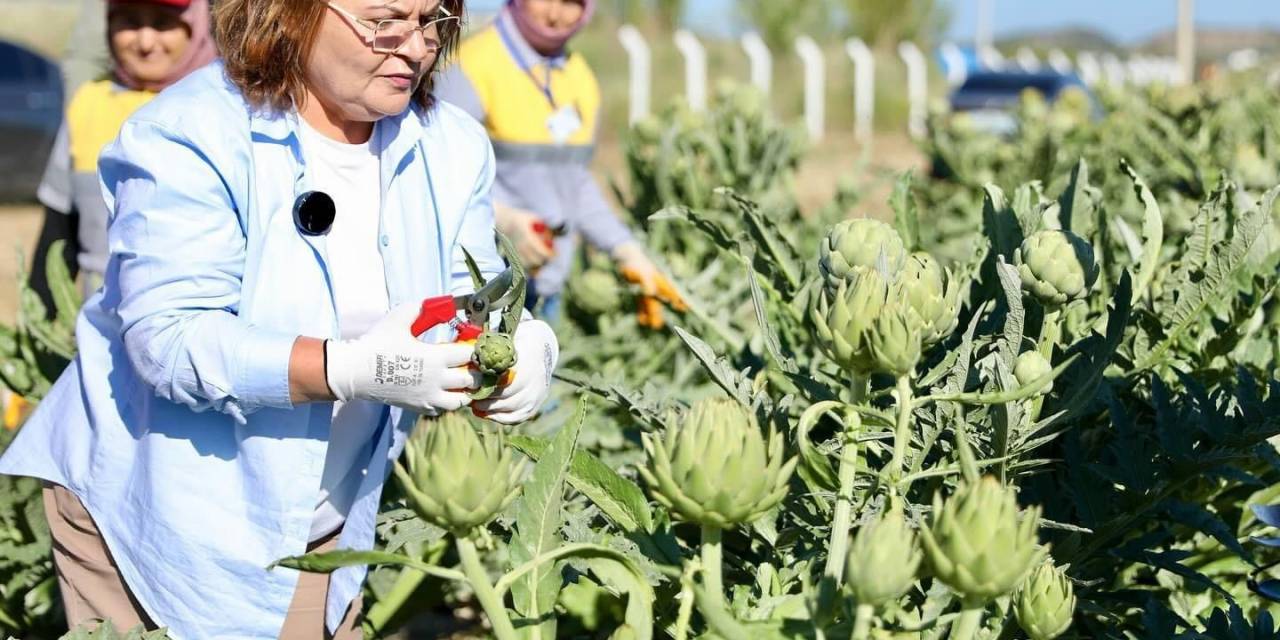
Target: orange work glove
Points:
(655, 287)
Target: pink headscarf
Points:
(548, 42)
(200, 51)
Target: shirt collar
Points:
(527, 53)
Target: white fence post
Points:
(917, 87)
(864, 87)
(991, 58)
(640, 65)
(957, 67)
(1090, 70)
(815, 89)
(761, 60)
(1027, 59)
(1058, 61)
(695, 69)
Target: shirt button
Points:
(386, 240)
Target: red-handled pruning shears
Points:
(495, 296)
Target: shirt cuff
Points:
(263, 377)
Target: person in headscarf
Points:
(152, 44)
(540, 103)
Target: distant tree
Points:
(670, 12)
(780, 22)
(885, 23)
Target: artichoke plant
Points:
(595, 292)
(458, 479)
(979, 544)
(932, 295)
(1056, 266)
(1031, 366)
(860, 242)
(495, 353)
(1045, 603)
(717, 468)
(883, 560)
(894, 340)
(843, 317)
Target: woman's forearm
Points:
(306, 372)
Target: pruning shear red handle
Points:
(495, 295)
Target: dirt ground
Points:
(838, 157)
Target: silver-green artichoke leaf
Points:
(1045, 603)
(457, 478)
(842, 318)
(979, 544)
(717, 467)
(884, 560)
(1056, 266)
(859, 242)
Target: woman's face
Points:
(554, 15)
(351, 81)
(148, 39)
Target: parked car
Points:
(989, 98)
(30, 114)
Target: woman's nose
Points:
(147, 39)
(416, 48)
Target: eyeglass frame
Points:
(433, 46)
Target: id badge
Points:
(563, 124)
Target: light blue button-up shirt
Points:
(173, 424)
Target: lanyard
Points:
(545, 88)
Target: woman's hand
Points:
(389, 365)
(527, 233)
(537, 351)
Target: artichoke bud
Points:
(717, 468)
(933, 296)
(1045, 603)
(1056, 266)
(977, 544)
(495, 352)
(860, 242)
(595, 292)
(458, 479)
(1032, 366)
(895, 340)
(843, 317)
(883, 560)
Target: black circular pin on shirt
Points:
(313, 213)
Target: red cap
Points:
(180, 4)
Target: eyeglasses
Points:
(390, 36)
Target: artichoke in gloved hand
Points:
(883, 560)
(1056, 266)
(979, 544)
(458, 479)
(495, 353)
(861, 242)
(842, 318)
(717, 468)
(1045, 603)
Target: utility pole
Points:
(984, 38)
(1186, 41)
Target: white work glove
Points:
(537, 352)
(528, 233)
(390, 366)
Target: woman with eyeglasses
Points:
(152, 44)
(540, 103)
(247, 374)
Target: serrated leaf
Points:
(1204, 521)
(1152, 233)
(620, 499)
(906, 214)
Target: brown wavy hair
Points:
(265, 45)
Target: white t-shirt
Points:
(349, 173)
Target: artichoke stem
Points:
(966, 626)
(489, 599)
(712, 563)
(406, 584)
(685, 614)
(838, 545)
(862, 622)
(1050, 333)
(902, 434)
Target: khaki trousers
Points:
(92, 589)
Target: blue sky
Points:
(1123, 20)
